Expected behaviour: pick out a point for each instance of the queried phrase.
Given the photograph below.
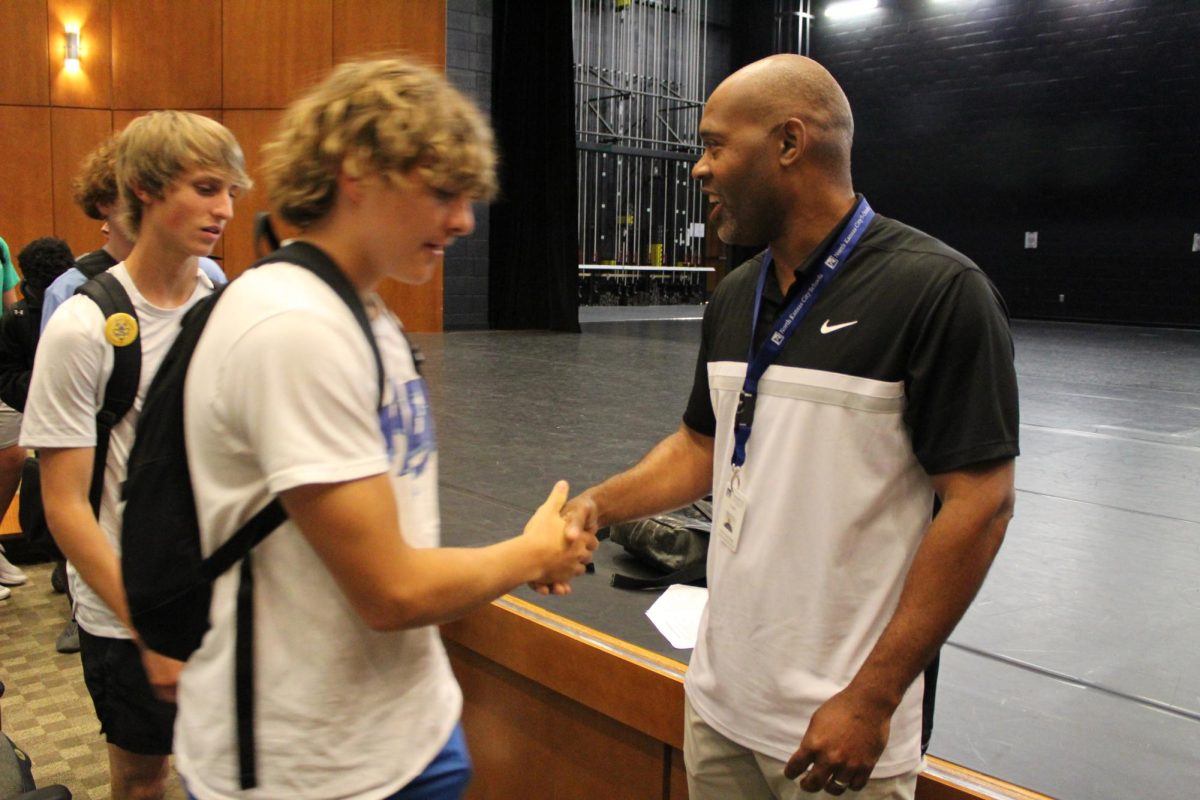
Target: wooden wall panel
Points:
(26, 204)
(677, 788)
(519, 667)
(247, 59)
(419, 307)
(527, 741)
(416, 27)
(252, 129)
(91, 85)
(943, 780)
(272, 49)
(166, 55)
(24, 64)
(641, 689)
(75, 133)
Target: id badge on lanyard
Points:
(733, 512)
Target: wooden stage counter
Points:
(555, 709)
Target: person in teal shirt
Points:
(10, 279)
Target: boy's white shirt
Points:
(71, 370)
(283, 392)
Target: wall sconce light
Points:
(72, 62)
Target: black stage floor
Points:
(1077, 670)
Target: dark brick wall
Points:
(1078, 119)
(469, 67)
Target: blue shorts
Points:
(445, 778)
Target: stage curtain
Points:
(533, 245)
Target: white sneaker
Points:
(5, 592)
(10, 575)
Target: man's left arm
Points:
(848, 732)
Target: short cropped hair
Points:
(157, 148)
(385, 116)
(43, 260)
(96, 183)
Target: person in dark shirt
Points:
(831, 582)
(41, 262)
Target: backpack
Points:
(95, 263)
(123, 333)
(168, 581)
(674, 544)
(121, 330)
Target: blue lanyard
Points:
(839, 251)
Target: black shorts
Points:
(131, 717)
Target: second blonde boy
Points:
(178, 175)
(353, 693)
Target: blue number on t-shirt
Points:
(406, 414)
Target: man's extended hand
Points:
(844, 739)
(582, 521)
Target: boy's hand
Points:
(582, 518)
(162, 672)
(565, 549)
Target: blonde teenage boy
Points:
(94, 190)
(178, 175)
(353, 693)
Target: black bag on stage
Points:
(675, 544)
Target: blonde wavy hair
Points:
(390, 117)
(158, 147)
(96, 183)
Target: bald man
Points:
(848, 375)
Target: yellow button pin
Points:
(121, 329)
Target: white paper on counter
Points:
(676, 614)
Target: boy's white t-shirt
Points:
(70, 372)
(283, 392)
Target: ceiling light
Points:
(850, 8)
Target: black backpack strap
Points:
(122, 332)
(265, 238)
(237, 547)
(929, 701)
(271, 516)
(243, 657)
(315, 260)
(93, 263)
(688, 574)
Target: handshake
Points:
(562, 537)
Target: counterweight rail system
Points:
(639, 86)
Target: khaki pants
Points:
(718, 769)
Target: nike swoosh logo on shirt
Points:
(827, 328)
